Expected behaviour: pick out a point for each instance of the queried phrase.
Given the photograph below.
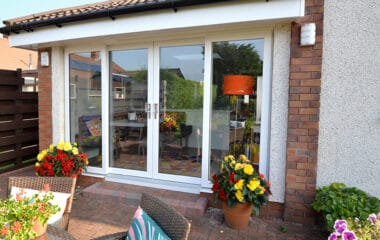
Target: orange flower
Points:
(262, 176)
(4, 230)
(46, 187)
(16, 227)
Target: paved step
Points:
(190, 205)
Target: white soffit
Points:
(189, 17)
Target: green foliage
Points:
(17, 214)
(182, 93)
(337, 201)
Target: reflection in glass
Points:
(85, 104)
(127, 101)
(181, 105)
(235, 119)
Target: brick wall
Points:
(45, 101)
(303, 118)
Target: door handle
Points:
(147, 109)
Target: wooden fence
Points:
(18, 122)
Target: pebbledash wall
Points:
(294, 120)
(349, 135)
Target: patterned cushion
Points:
(145, 228)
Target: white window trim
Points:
(250, 33)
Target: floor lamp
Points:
(238, 85)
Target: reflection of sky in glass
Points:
(189, 59)
(131, 60)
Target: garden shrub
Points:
(337, 201)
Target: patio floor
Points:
(104, 208)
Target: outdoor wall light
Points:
(44, 59)
(308, 34)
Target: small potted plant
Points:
(23, 217)
(239, 188)
(61, 160)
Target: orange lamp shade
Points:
(238, 85)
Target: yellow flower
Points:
(239, 196)
(243, 157)
(51, 147)
(238, 166)
(60, 145)
(39, 157)
(37, 164)
(67, 146)
(239, 185)
(232, 164)
(75, 151)
(231, 158)
(262, 190)
(248, 169)
(222, 166)
(253, 184)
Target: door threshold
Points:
(155, 183)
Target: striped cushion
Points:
(145, 228)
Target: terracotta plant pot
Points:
(39, 229)
(238, 216)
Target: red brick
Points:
(301, 61)
(304, 75)
(308, 125)
(311, 83)
(299, 132)
(297, 145)
(308, 110)
(309, 96)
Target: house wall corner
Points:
(45, 101)
(303, 118)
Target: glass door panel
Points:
(128, 120)
(236, 100)
(181, 107)
(85, 104)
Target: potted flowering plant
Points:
(61, 160)
(238, 185)
(22, 217)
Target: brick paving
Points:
(94, 216)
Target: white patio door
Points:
(156, 106)
(178, 102)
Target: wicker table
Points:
(55, 233)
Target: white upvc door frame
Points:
(156, 94)
(266, 35)
(153, 47)
(150, 124)
(104, 101)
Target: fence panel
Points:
(18, 122)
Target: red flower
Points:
(215, 187)
(262, 176)
(222, 195)
(232, 177)
(214, 177)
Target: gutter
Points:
(103, 13)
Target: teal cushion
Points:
(145, 228)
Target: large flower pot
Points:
(39, 229)
(238, 216)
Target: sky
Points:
(19, 8)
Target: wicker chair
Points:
(57, 184)
(176, 226)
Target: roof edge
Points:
(104, 13)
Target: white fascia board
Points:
(190, 17)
